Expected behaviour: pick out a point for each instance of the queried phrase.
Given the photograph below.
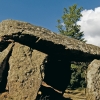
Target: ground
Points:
(72, 94)
(75, 94)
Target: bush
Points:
(78, 76)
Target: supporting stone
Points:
(24, 76)
(93, 81)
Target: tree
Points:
(77, 76)
(68, 25)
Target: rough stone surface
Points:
(32, 45)
(24, 78)
(64, 45)
(93, 81)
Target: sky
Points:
(45, 13)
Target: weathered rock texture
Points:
(24, 77)
(93, 81)
(36, 47)
(49, 42)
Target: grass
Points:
(78, 94)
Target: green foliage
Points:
(77, 77)
(68, 25)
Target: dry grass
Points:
(72, 94)
(75, 94)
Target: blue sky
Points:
(41, 12)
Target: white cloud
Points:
(90, 24)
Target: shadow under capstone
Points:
(57, 75)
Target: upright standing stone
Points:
(24, 76)
(93, 81)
